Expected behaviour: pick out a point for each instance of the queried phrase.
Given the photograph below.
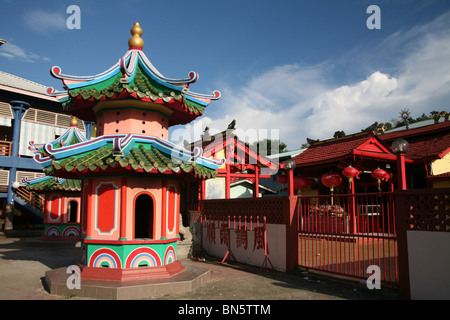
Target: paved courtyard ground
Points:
(25, 259)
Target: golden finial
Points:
(74, 122)
(136, 41)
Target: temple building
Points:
(62, 206)
(131, 175)
(426, 161)
(240, 176)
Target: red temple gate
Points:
(345, 234)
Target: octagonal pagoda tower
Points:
(131, 175)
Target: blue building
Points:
(27, 114)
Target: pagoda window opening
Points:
(143, 216)
(73, 211)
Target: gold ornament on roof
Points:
(74, 122)
(136, 41)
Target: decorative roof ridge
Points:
(27, 181)
(344, 138)
(431, 128)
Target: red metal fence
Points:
(345, 234)
(341, 234)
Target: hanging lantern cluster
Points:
(332, 180)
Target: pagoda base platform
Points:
(131, 274)
(187, 280)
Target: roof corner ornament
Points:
(404, 115)
(232, 125)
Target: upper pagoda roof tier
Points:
(132, 77)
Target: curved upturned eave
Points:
(126, 65)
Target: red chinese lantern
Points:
(380, 174)
(351, 173)
(331, 180)
(301, 182)
(282, 179)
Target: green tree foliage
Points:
(264, 147)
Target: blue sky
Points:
(287, 69)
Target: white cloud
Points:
(301, 102)
(350, 108)
(44, 22)
(14, 52)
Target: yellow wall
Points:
(441, 165)
(219, 155)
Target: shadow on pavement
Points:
(31, 257)
(239, 281)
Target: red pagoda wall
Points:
(112, 203)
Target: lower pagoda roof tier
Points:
(51, 184)
(125, 154)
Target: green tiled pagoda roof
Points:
(141, 158)
(55, 184)
(143, 87)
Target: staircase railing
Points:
(5, 148)
(34, 199)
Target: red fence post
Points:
(290, 212)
